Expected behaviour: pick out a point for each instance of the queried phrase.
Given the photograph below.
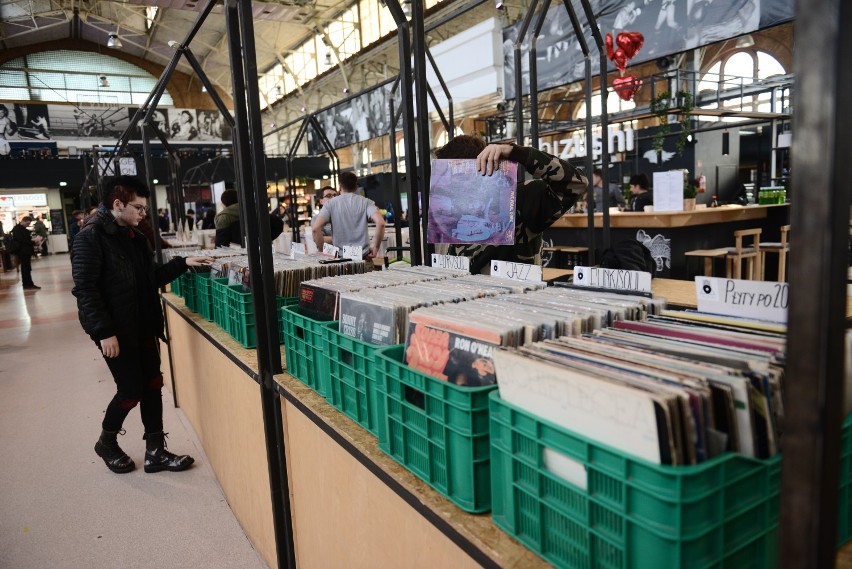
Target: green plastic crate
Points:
(281, 302)
(352, 378)
(437, 430)
(240, 310)
(219, 293)
(175, 287)
(632, 513)
(305, 347)
(187, 287)
(204, 295)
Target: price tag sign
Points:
(354, 252)
(460, 264)
(615, 279)
(330, 249)
(760, 300)
(516, 271)
(297, 249)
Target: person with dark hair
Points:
(640, 187)
(22, 245)
(115, 283)
(327, 193)
(616, 198)
(208, 221)
(348, 214)
(540, 202)
(40, 231)
(185, 130)
(75, 224)
(190, 219)
(227, 221)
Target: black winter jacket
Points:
(110, 297)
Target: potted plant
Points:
(689, 193)
(661, 106)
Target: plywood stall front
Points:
(217, 391)
(354, 507)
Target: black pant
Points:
(138, 380)
(26, 262)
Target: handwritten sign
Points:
(461, 264)
(354, 252)
(615, 279)
(761, 300)
(516, 271)
(330, 249)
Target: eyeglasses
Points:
(329, 196)
(139, 207)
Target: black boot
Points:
(115, 458)
(157, 458)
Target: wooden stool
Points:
(782, 249)
(709, 255)
(748, 253)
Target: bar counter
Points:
(671, 234)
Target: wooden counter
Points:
(637, 219)
(352, 505)
(670, 235)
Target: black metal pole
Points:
(408, 129)
(533, 59)
(813, 404)
(397, 198)
(596, 35)
(519, 76)
(424, 131)
(217, 100)
(252, 176)
(590, 163)
(452, 125)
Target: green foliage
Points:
(661, 106)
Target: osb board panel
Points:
(478, 530)
(345, 517)
(223, 404)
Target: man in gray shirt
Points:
(348, 214)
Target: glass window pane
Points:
(767, 66)
(740, 65)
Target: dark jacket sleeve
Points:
(86, 269)
(551, 195)
(168, 272)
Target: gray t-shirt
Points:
(348, 214)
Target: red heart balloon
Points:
(609, 51)
(626, 87)
(630, 43)
(620, 59)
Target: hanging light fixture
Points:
(328, 59)
(744, 41)
(406, 8)
(103, 81)
(114, 42)
(498, 4)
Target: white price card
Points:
(516, 271)
(761, 300)
(615, 279)
(330, 249)
(354, 252)
(461, 264)
(297, 249)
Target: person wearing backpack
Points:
(22, 246)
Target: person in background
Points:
(616, 198)
(208, 221)
(642, 196)
(75, 224)
(22, 246)
(163, 219)
(115, 283)
(328, 192)
(40, 230)
(190, 219)
(227, 221)
(540, 202)
(348, 214)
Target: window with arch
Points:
(739, 69)
(444, 137)
(67, 76)
(614, 104)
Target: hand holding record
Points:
(489, 158)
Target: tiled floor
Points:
(59, 505)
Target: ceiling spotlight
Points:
(328, 59)
(174, 44)
(498, 4)
(155, 181)
(303, 109)
(406, 8)
(114, 42)
(345, 90)
(744, 41)
(203, 89)
(103, 81)
(278, 91)
(272, 125)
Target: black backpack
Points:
(629, 255)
